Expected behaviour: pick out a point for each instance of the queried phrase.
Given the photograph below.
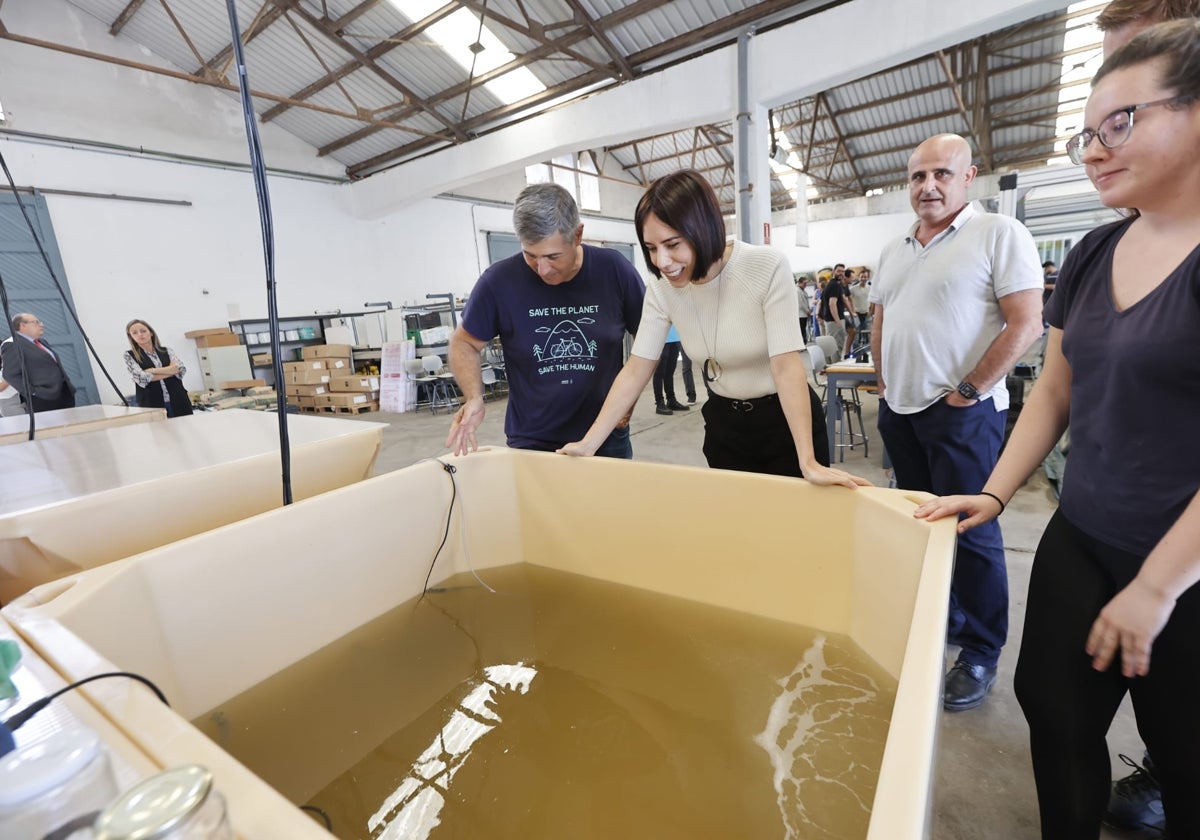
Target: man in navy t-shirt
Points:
(561, 309)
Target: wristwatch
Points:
(967, 391)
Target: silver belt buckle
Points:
(743, 405)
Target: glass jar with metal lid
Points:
(55, 786)
(178, 804)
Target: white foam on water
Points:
(800, 724)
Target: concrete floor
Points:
(984, 787)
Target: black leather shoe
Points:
(691, 399)
(662, 409)
(966, 686)
(676, 405)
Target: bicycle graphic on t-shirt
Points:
(566, 340)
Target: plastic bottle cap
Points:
(45, 765)
(155, 806)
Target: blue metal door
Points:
(31, 288)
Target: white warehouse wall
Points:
(853, 241)
(184, 268)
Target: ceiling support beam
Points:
(182, 32)
(983, 104)
(625, 72)
(841, 144)
(373, 53)
(635, 9)
(956, 93)
(366, 61)
(268, 13)
(128, 12)
(199, 80)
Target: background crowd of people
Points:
(836, 303)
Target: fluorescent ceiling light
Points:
(457, 34)
(787, 169)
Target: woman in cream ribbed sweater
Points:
(734, 306)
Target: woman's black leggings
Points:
(1069, 706)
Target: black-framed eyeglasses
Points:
(1113, 131)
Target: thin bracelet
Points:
(994, 496)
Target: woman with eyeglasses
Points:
(1114, 600)
(734, 306)
(156, 370)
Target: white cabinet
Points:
(223, 364)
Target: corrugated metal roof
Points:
(877, 118)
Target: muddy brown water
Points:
(561, 706)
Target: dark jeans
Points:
(1069, 705)
(617, 445)
(945, 451)
(664, 374)
(759, 440)
(804, 328)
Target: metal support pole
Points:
(744, 185)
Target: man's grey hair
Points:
(19, 319)
(543, 210)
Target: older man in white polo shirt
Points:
(958, 300)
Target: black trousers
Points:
(689, 381)
(1070, 706)
(758, 440)
(664, 374)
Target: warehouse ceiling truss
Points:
(373, 83)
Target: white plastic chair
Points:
(829, 347)
(444, 389)
(490, 382)
(415, 369)
(816, 363)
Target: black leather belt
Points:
(744, 406)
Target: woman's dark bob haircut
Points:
(684, 201)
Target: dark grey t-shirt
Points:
(1134, 463)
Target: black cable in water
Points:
(313, 809)
(259, 170)
(462, 521)
(22, 717)
(449, 468)
(62, 293)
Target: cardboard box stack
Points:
(213, 337)
(325, 381)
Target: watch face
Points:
(968, 390)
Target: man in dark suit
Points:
(33, 368)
